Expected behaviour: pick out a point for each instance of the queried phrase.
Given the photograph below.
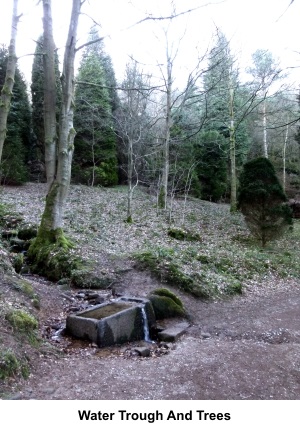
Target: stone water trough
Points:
(123, 320)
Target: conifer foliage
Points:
(262, 201)
(95, 159)
(17, 143)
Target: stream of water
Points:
(146, 325)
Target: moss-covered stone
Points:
(166, 304)
(183, 234)
(165, 307)
(86, 278)
(17, 245)
(167, 293)
(27, 232)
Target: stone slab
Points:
(172, 333)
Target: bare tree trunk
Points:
(6, 93)
(187, 188)
(284, 157)
(50, 230)
(233, 187)
(49, 94)
(131, 168)
(163, 193)
(93, 152)
(265, 142)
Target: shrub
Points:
(21, 321)
(24, 325)
(262, 201)
(9, 364)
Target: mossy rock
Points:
(85, 278)
(166, 304)
(18, 245)
(27, 232)
(167, 293)
(183, 234)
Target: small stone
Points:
(92, 295)
(164, 345)
(205, 335)
(142, 351)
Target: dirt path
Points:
(246, 347)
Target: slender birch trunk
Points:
(6, 93)
(163, 193)
(49, 94)
(129, 176)
(284, 157)
(232, 143)
(50, 230)
(265, 141)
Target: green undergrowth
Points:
(216, 269)
(12, 366)
(170, 269)
(58, 260)
(23, 324)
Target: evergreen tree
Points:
(16, 150)
(95, 159)
(262, 200)
(37, 161)
(224, 112)
(216, 86)
(211, 167)
(97, 48)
